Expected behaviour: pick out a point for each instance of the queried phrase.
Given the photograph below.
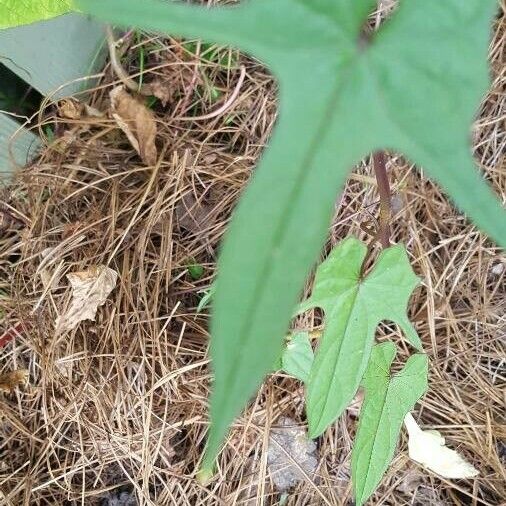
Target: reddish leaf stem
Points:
(379, 161)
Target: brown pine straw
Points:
(122, 403)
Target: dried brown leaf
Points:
(70, 108)
(162, 90)
(90, 291)
(137, 122)
(9, 381)
(410, 482)
(93, 112)
(291, 455)
(194, 215)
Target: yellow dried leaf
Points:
(137, 122)
(11, 380)
(71, 108)
(90, 290)
(428, 448)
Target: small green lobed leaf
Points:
(298, 356)
(22, 12)
(338, 274)
(386, 403)
(353, 308)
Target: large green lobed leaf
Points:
(22, 12)
(386, 403)
(414, 88)
(353, 308)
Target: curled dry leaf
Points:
(11, 380)
(428, 448)
(92, 112)
(291, 455)
(90, 290)
(162, 90)
(137, 122)
(71, 108)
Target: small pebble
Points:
(497, 269)
(123, 498)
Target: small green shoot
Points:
(49, 132)
(214, 93)
(150, 101)
(213, 54)
(206, 298)
(196, 271)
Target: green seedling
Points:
(195, 270)
(206, 298)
